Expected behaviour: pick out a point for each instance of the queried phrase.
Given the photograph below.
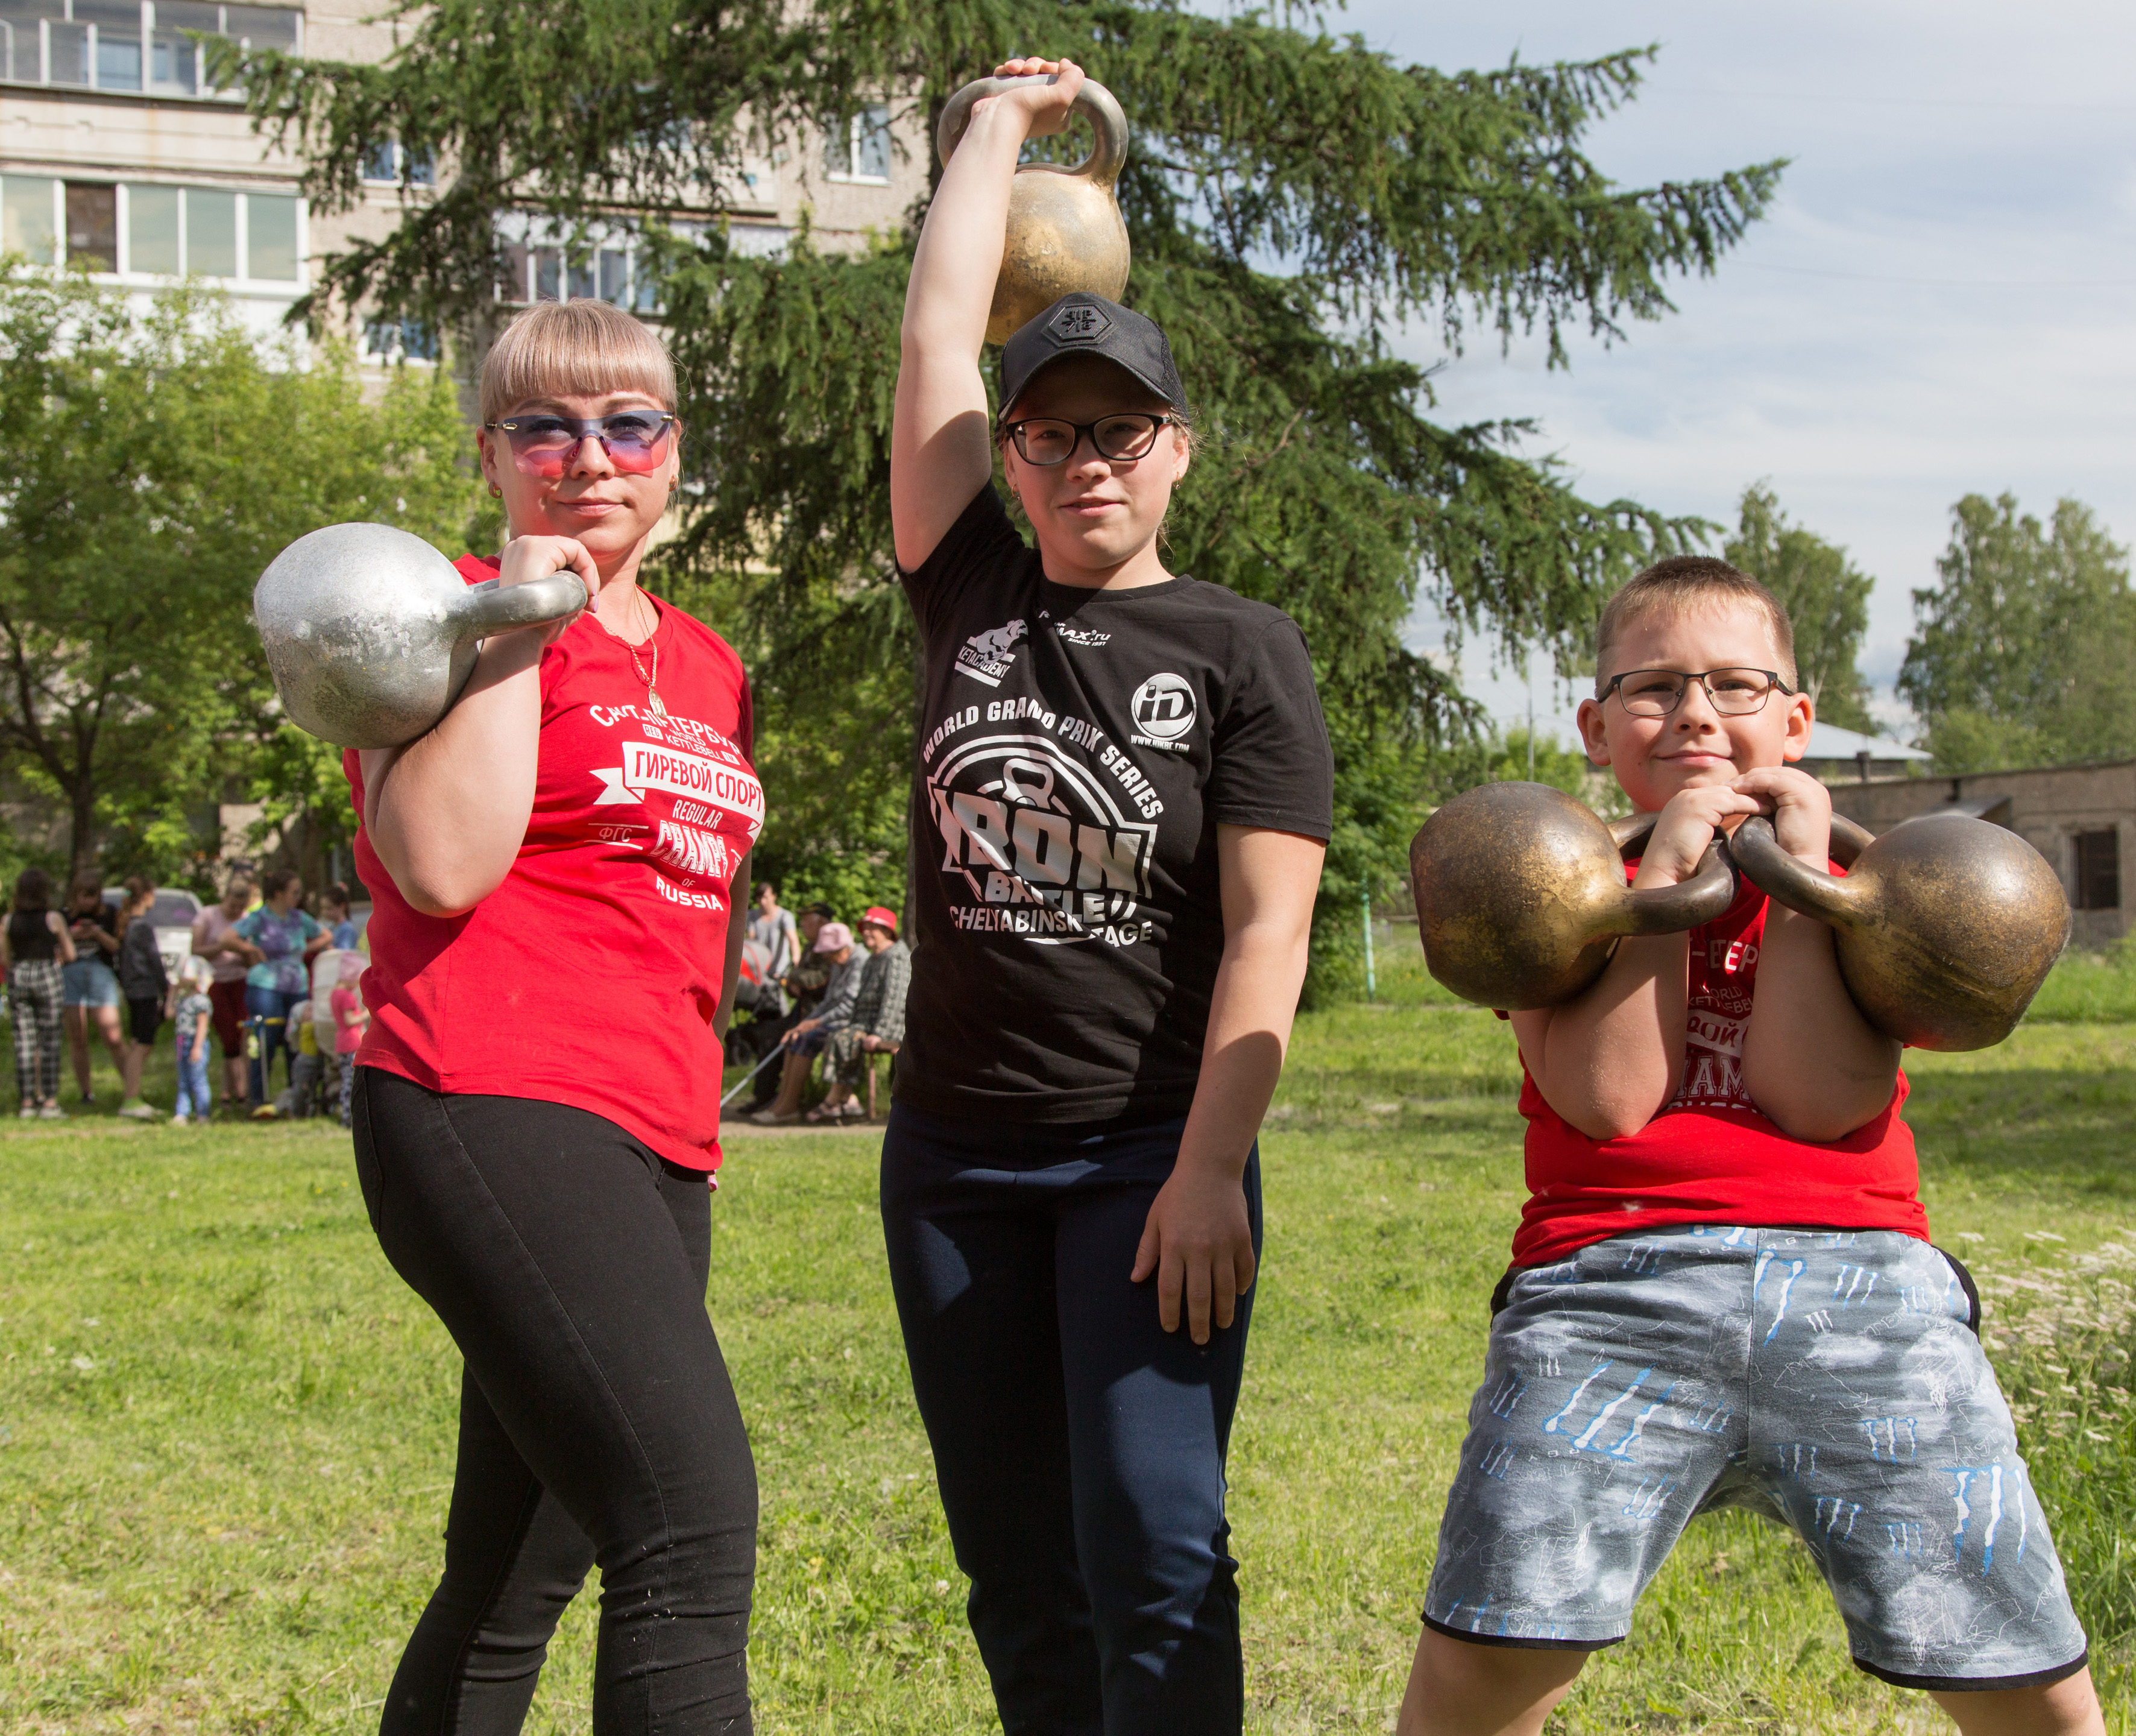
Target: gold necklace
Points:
(651, 637)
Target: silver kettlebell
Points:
(371, 633)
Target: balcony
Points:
(143, 47)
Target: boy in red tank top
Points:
(1722, 1291)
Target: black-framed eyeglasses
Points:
(1046, 441)
(635, 441)
(1731, 692)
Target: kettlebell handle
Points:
(1667, 909)
(1093, 102)
(1672, 909)
(1704, 898)
(493, 607)
(1810, 891)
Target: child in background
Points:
(301, 1099)
(145, 983)
(334, 907)
(350, 1021)
(193, 1014)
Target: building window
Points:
(2098, 870)
(174, 57)
(613, 274)
(155, 232)
(271, 238)
(146, 229)
(210, 232)
(382, 164)
(859, 150)
(393, 341)
(130, 45)
(92, 226)
(28, 217)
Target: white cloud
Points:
(1938, 304)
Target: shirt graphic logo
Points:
(649, 766)
(1164, 711)
(1081, 324)
(1080, 635)
(1037, 845)
(1712, 1062)
(986, 656)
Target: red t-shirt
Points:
(1711, 1157)
(591, 974)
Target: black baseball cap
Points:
(1083, 324)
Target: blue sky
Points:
(1939, 302)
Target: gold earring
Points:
(496, 491)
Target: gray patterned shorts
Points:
(1832, 1380)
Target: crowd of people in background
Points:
(265, 978)
(815, 989)
(269, 981)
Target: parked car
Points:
(174, 913)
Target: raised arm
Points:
(941, 450)
(448, 812)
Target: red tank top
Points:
(1711, 1157)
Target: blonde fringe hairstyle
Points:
(581, 348)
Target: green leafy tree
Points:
(1492, 756)
(2023, 649)
(161, 457)
(1292, 199)
(1825, 597)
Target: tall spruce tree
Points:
(1826, 599)
(1293, 200)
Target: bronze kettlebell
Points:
(1065, 232)
(1946, 927)
(1521, 895)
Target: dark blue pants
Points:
(1078, 1446)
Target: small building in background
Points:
(1842, 755)
(2081, 817)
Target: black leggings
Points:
(597, 1422)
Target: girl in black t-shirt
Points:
(1123, 796)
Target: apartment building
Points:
(117, 155)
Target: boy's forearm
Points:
(1811, 1063)
(1609, 1062)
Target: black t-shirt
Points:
(86, 947)
(1077, 750)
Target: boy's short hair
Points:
(1677, 586)
(574, 349)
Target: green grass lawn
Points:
(226, 1428)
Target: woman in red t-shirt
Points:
(535, 1163)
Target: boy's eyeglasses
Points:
(635, 441)
(1732, 693)
(1046, 441)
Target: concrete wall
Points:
(2049, 806)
